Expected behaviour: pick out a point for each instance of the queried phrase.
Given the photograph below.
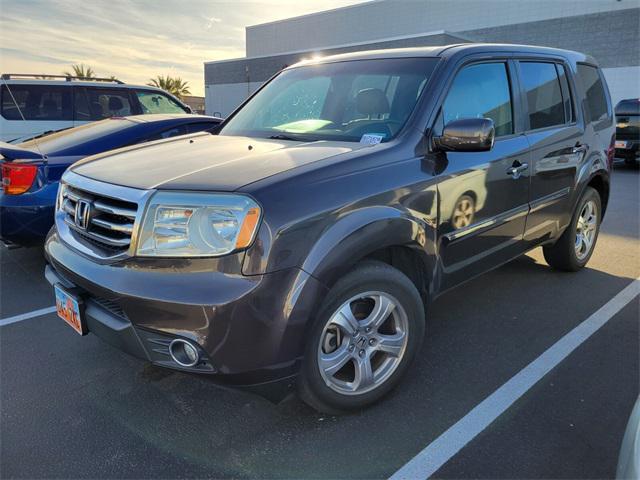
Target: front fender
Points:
(362, 232)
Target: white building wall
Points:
(223, 99)
(624, 82)
(388, 18)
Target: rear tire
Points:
(574, 248)
(363, 340)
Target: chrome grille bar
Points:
(114, 210)
(116, 227)
(107, 215)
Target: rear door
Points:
(29, 110)
(483, 196)
(557, 144)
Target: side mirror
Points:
(189, 109)
(467, 135)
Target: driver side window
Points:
(480, 91)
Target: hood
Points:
(205, 162)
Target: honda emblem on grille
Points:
(83, 214)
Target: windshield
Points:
(346, 101)
(64, 139)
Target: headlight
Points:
(197, 224)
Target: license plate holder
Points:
(70, 308)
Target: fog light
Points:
(183, 353)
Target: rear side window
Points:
(201, 126)
(106, 103)
(481, 91)
(544, 94)
(596, 98)
(37, 102)
(170, 132)
(155, 102)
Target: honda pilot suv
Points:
(309, 236)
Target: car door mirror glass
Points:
(467, 135)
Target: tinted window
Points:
(105, 103)
(567, 96)
(481, 91)
(628, 107)
(81, 110)
(596, 99)
(57, 142)
(36, 102)
(170, 132)
(155, 102)
(201, 126)
(544, 94)
(336, 101)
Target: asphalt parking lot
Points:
(77, 408)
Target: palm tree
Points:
(81, 71)
(174, 85)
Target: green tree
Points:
(80, 70)
(174, 85)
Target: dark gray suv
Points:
(307, 238)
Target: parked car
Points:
(628, 130)
(306, 238)
(30, 105)
(31, 171)
(629, 458)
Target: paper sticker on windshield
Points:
(372, 138)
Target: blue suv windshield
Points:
(344, 101)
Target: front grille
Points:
(99, 220)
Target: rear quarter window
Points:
(595, 95)
(37, 102)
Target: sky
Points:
(135, 40)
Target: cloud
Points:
(134, 39)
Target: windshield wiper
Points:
(295, 138)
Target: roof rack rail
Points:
(68, 78)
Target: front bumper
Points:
(250, 329)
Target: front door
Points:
(483, 196)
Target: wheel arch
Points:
(386, 234)
(600, 182)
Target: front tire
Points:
(574, 248)
(365, 337)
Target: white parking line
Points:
(438, 452)
(26, 316)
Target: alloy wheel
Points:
(363, 343)
(586, 229)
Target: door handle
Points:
(579, 149)
(517, 169)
